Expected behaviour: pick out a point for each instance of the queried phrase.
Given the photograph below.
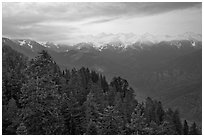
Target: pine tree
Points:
(129, 104)
(40, 94)
(12, 109)
(21, 130)
(13, 66)
(75, 86)
(177, 122)
(66, 112)
(91, 128)
(185, 128)
(168, 125)
(193, 129)
(111, 122)
(111, 95)
(92, 108)
(121, 85)
(94, 76)
(150, 110)
(152, 129)
(77, 116)
(166, 128)
(138, 121)
(159, 112)
(104, 84)
(124, 97)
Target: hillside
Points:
(168, 71)
(44, 100)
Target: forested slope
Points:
(39, 98)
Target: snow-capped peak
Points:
(126, 39)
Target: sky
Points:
(65, 22)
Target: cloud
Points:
(114, 11)
(67, 19)
(40, 32)
(35, 12)
(152, 8)
(101, 20)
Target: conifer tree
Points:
(166, 128)
(150, 110)
(185, 128)
(40, 95)
(75, 86)
(138, 119)
(91, 128)
(159, 112)
(121, 85)
(177, 122)
(12, 109)
(21, 130)
(193, 129)
(111, 122)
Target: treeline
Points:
(38, 98)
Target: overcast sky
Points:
(63, 22)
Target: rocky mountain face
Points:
(166, 68)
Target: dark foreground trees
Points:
(49, 101)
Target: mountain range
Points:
(127, 39)
(168, 68)
(120, 40)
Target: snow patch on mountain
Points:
(31, 46)
(177, 44)
(193, 43)
(23, 42)
(45, 45)
(56, 45)
(50, 45)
